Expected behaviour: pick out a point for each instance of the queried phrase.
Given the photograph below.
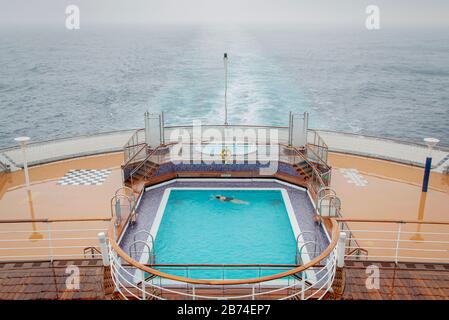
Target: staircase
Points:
(303, 169)
(144, 171)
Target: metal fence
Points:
(398, 241)
(44, 239)
(134, 145)
(3, 170)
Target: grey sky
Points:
(318, 12)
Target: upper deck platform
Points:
(360, 177)
(354, 144)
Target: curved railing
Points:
(134, 280)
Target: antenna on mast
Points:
(225, 60)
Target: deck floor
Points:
(46, 280)
(405, 281)
(379, 189)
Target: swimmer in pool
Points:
(230, 199)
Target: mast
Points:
(225, 60)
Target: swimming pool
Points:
(193, 227)
(235, 149)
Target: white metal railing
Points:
(134, 280)
(398, 241)
(133, 283)
(134, 145)
(316, 148)
(3, 168)
(26, 240)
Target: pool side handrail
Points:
(115, 249)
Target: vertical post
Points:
(341, 248)
(147, 127)
(163, 128)
(398, 240)
(225, 60)
(193, 292)
(104, 248)
(118, 211)
(425, 183)
(290, 128)
(305, 126)
(144, 292)
(118, 268)
(114, 233)
(431, 142)
(50, 242)
(253, 292)
(23, 144)
(303, 289)
(160, 129)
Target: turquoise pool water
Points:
(196, 228)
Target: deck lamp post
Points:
(23, 144)
(225, 60)
(431, 143)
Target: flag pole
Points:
(225, 60)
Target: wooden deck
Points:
(47, 281)
(405, 281)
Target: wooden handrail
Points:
(355, 250)
(316, 134)
(135, 155)
(148, 157)
(390, 221)
(143, 162)
(135, 134)
(316, 261)
(220, 265)
(308, 162)
(309, 149)
(134, 145)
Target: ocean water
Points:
(57, 83)
(215, 232)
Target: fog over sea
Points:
(57, 83)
